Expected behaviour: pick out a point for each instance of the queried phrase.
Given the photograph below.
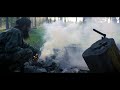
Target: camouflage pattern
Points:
(13, 50)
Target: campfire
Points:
(58, 63)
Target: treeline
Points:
(111, 19)
(9, 22)
(85, 19)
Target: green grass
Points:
(36, 38)
(2, 30)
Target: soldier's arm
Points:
(35, 51)
(13, 44)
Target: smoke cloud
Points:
(60, 35)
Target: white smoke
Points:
(60, 35)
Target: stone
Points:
(41, 70)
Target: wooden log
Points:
(103, 56)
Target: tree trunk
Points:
(114, 20)
(47, 20)
(32, 22)
(0, 21)
(64, 19)
(61, 18)
(35, 22)
(86, 19)
(76, 19)
(50, 20)
(7, 23)
(103, 56)
(11, 22)
(83, 19)
(54, 19)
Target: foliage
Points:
(36, 38)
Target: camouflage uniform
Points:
(13, 50)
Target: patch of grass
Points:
(36, 38)
(2, 30)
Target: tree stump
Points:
(103, 56)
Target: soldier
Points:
(13, 50)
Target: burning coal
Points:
(72, 39)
